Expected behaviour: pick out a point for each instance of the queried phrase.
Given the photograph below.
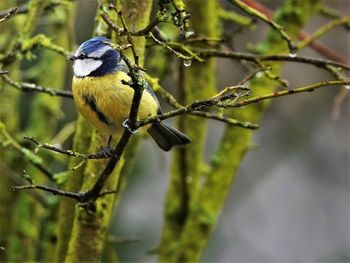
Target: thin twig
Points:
(29, 87)
(233, 122)
(4, 15)
(270, 75)
(250, 77)
(309, 88)
(23, 9)
(230, 100)
(329, 12)
(22, 47)
(323, 30)
(68, 152)
(195, 106)
(7, 140)
(206, 53)
(342, 93)
(251, 11)
(338, 102)
(53, 148)
(121, 31)
(210, 115)
(138, 84)
(316, 45)
(126, 32)
(17, 179)
(184, 48)
(168, 47)
(123, 240)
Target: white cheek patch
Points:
(83, 67)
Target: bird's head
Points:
(95, 58)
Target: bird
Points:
(102, 95)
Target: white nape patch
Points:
(96, 54)
(99, 52)
(83, 67)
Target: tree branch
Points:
(316, 45)
(323, 30)
(253, 12)
(206, 53)
(30, 87)
(91, 195)
(309, 88)
(4, 15)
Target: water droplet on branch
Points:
(189, 34)
(187, 62)
(292, 50)
(259, 74)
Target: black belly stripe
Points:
(91, 101)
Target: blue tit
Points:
(103, 98)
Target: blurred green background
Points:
(290, 200)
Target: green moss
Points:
(232, 148)
(196, 82)
(74, 182)
(88, 227)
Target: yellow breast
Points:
(106, 101)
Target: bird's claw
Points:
(126, 125)
(106, 151)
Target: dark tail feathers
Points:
(166, 137)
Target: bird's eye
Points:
(83, 55)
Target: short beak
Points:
(72, 57)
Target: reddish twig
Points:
(316, 45)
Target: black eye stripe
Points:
(83, 57)
(94, 58)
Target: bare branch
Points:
(230, 121)
(195, 106)
(323, 30)
(4, 15)
(120, 31)
(206, 53)
(168, 47)
(17, 179)
(309, 88)
(30, 87)
(138, 84)
(316, 45)
(251, 11)
(6, 140)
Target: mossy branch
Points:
(253, 12)
(5, 15)
(95, 192)
(323, 30)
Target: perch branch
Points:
(96, 191)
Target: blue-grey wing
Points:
(122, 66)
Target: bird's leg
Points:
(107, 150)
(109, 141)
